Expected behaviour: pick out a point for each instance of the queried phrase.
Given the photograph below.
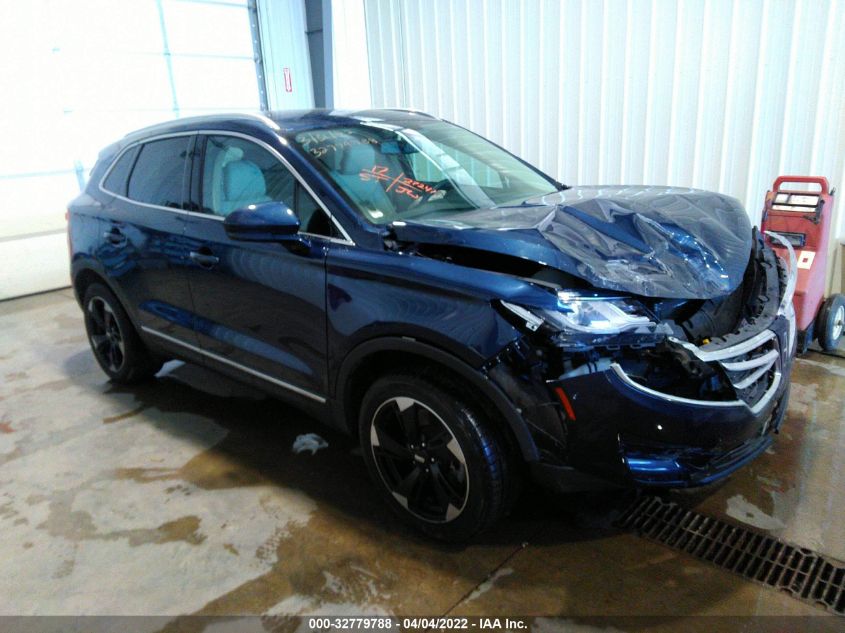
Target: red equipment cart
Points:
(804, 219)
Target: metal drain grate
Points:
(801, 572)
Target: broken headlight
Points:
(586, 314)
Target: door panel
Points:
(260, 306)
(142, 246)
(145, 255)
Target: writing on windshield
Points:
(401, 184)
(402, 170)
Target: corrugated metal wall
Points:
(350, 59)
(717, 94)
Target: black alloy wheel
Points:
(117, 347)
(106, 337)
(419, 460)
(439, 462)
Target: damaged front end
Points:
(647, 391)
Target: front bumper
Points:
(597, 424)
(627, 433)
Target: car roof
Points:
(282, 121)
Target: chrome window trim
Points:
(243, 368)
(150, 139)
(346, 239)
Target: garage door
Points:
(77, 76)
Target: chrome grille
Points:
(752, 373)
(753, 366)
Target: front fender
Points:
(475, 377)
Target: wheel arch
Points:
(375, 357)
(83, 275)
(83, 278)
(84, 272)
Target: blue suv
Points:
(468, 318)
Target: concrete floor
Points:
(184, 496)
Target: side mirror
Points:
(262, 222)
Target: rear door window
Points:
(159, 171)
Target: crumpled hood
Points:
(651, 241)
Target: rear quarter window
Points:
(118, 175)
(159, 170)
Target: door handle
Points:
(115, 237)
(206, 260)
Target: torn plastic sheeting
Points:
(650, 241)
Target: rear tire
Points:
(434, 458)
(113, 339)
(831, 322)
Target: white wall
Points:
(714, 94)
(350, 58)
(284, 49)
(76, 76)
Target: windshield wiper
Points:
(533, 201)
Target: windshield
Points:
(420, 169)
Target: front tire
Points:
(434, 458)
(113, 339)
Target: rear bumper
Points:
(627, 434)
